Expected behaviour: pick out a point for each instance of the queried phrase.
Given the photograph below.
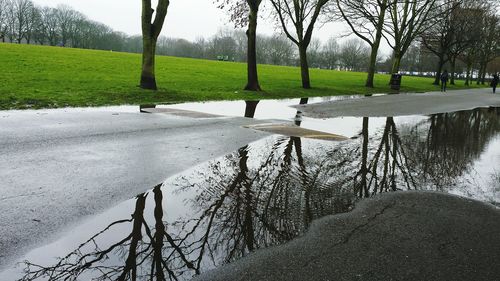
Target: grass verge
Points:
(49, 77)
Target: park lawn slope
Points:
(46, 77)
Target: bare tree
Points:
(366, 20)
(277, 50)
(408, 19)
(3, 19)
(353, 55)
(451, 31)
(10, 21)
(65, 17)
(21, 9)
(32, 22)
(466, 31)
(49, 23)
(303, 16)
(331, 53)
(150, 32)
(489, 45)
(314, 55)
(246, 12)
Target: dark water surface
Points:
(269, 192)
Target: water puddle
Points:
(269, 192)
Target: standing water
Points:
(269, 192)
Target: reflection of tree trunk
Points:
(248, 230)
(160, 232)
(298, 115)
(308, 215)
(250, 108)
(131, 262)
(384, 143)
(394, 155)
(363, 188)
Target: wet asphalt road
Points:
(58, 166)
(404, 104)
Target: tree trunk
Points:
(483, 77)
(479, 74)
(371, 67)
(375, 46)
(148, 79)
(468, 75)
(396, 62)
(453, 63)
(437, 78)
(150, 32)
(304, 67)
(363, 186)
(253, 79)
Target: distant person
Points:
(444, 80)
(494, 82)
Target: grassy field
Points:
(44, 77)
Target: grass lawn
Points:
(43, 77)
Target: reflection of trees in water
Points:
(443, 149)
(266, 195)
(434, 154)
(384, 166)
(143, 254)
(237, 207)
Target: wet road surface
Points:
(271, 191)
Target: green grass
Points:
(44, 77)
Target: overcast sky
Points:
(187, 19)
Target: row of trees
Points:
(468, 31)
(400, 22)
(454, 31)
(276, 49)
(22, 21)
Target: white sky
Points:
(187, 19)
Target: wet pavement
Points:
(59, 166)
(405, 104)
(271, 191)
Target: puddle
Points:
(265, 109)
(269, 192)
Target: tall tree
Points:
(3, 19)
(49, 23)
(150, 32)
(246, 12)
(353, 55)
(489, 45)
(21, 14)
(331, 51)
(366, 20)
(303, 15)
(407, 20)
(451, 31)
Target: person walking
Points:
(494, 82)
(444, 80)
